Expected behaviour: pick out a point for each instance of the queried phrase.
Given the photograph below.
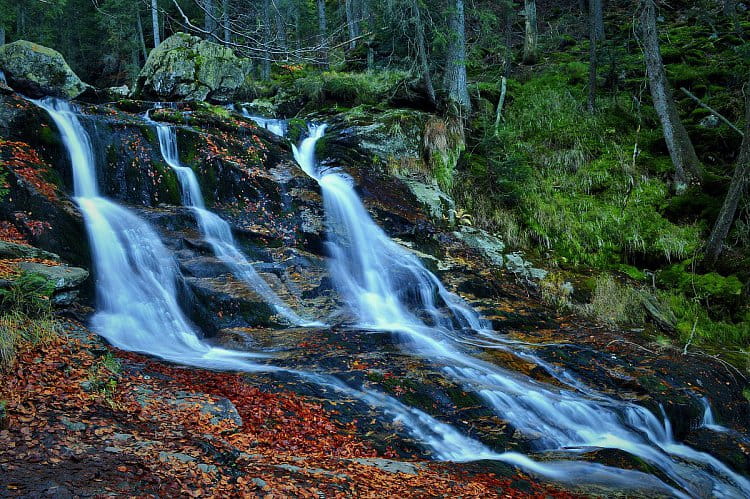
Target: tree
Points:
(596, 14)
(686, 164)
(323, 33)
(265, 66)
(155, 21)
(531, 36)
(455, 77)
(737, 189)
(209, 17)
(594, 36)
(225, 22)
(352, 22)
(422, 49)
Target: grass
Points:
(351, 88)
(25, 316)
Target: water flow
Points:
(275, 126)
(136, 276)
(216, 231)
(389, 289)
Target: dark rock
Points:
(38, 71)
(185, 67)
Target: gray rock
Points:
(259, 482)
(62, 276)
(72, 425)
(38, 71)
(219, 409)
(183, 458)
(185, 67)
(389, 465)
(491, 247)
(516, 264)
(113, 450)
(207, 468)
(13, 250)
(710, 121)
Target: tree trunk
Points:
(737, 189)
(210, 18)
(226, 25)
(323, 33)
(686, 164)
(352, 22)
(508, 17)
(593, 37)
(596, 13)
(730, 8)
(265, 67)
(2, 35)
(458, 92)
(155, 22)
(422, 49)
(530, 40)
(281, 21)
(141, 39)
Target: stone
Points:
(259, 482)
(389, 465)
(491, 247)
(185, 67)
(13, 250)
(38, 71)
(72, 425)
(207, 468)
(64, 279)
(167, 456)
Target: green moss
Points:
(711, 286)
(350, 88)
(297, 130)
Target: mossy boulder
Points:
(38, 71)
(184, 67)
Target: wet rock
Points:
(167, 456)
(491, 247)
(219, 408)
(185, 67)
(72, 425)
(38, 71)
(13, 250)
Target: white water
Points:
(275, 126)
(137, 278)
(389, 289)
(216, 231)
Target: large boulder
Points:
(37, 71)
(184, 67)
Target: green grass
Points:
(350, 88)
(25, 316)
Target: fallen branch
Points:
(501, 102)
(712, 110)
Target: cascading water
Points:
(136, 276)
(275, 126)
(389, 289)
(217, 231)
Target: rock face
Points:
(184, 67)
(38, 71)
(66, 280)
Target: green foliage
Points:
(17, 328)
(351, 89)
(694, 321)
(711, 288)
(27, 294)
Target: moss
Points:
(711, 286)
(297, 130)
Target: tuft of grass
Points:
(25, 316)
(615, 304)
(351, 88)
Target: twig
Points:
(690, 340)
(712, 110)
(634, 344)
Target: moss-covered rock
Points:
(38, 71)
(184, 67)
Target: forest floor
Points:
(84, 419)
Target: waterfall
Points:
(273, 125)
(216, 231)
(389, 289)
(136, 277)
